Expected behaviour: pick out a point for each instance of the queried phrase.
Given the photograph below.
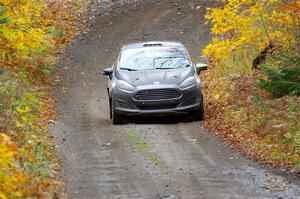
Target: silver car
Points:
(154, 78)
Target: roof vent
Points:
(151, 44)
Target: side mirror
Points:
(200, 67)
(108, 72)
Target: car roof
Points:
(139, 45)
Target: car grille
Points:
(158, 107)
(157, 94)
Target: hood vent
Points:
(152, 44)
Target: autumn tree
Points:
(244, 28)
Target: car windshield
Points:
(152, 58)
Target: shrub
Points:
(282, 81)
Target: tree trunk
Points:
(262, 56)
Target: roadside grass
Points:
(137, 140)
(238, 63)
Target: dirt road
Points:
(153, 157)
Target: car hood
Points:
(149, 77)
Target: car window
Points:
(152, 58)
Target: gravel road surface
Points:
(151, 158)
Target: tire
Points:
(117, 119)
(198, 115)
(110, 108)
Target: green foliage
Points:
(54, 32)
(282, 81)
(2, 71)
(8, 91)
(3, 20)
(2, 11)
(293, 130)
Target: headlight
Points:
(188, 82)
(124, 85)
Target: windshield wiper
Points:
(129, 69)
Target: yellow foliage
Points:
(243, 28)
(22, 32)
(10, 177)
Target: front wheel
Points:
(198, 115)
(110, 108)
(117, 119)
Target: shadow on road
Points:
(159, 119)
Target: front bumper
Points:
(124, 102)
